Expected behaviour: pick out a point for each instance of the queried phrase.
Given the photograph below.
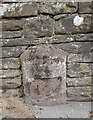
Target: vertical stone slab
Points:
(44, 75)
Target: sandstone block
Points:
(45, 92)
(9, 73)
(38, 26)
(20, 9)
(9, 25)
(57, 8)
(10, 63)
(79, 94)
(85, 7)
(79, 82)
(12, 51)
(84, 37)
(76, 47)
(44, 74)
(11, 34)
(35, 41)
(10, 93)
(83, 57)
(44, 61)
(11, 83)
(74, 24)
(79, 69)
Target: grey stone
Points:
(35, 41)
(42, 66)
(8, 25)
(11, 83)
(68, 24)
(10, 63)
(84, 37)
(20, 9)
(44, 61)
(38, 26)
(77, 47)
(79, 69)
(9, 73)
(11, 34)
(12, 51)
(57, 8)
(79, 82)
(79, 94)
(10, 93)
(85, 7)
(83, 57)
(45, 92)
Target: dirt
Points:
(14, 108)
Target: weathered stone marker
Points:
(44, 75)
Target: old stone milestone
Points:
(44, 74)
(47, 51)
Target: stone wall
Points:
(66, 26)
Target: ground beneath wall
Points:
(17, 108)
(70, 110)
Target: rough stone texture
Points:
(66, 24)
(79, 69)
(42, 67)
(20, 9)
(79, 94)
(10, 63)
(11, 83)
(9, 73)
(83, 57)
(85, 7)
(8, 25)
(38, 26)
(11, 34)
(35, 41)
(77, 47)
(84, 37)
(57, 8)
(45, 92)
(79, 82)
(54, 39)
(10, 93)
(12, 51)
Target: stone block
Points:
(85, 7)
(12, 51)
(74, 24)
(46, 92)
(11, 34)
(11, 83)
(10, 63)
(57, 8)
(79, 82)
(84, 37)
(20, 9)
(9, 73)
(83, 57)
(35, 41)
(40, 26)
(79, 94)
(76, 47)
(44, 74)
(9, 25)
(79, 69)
(11, 93)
